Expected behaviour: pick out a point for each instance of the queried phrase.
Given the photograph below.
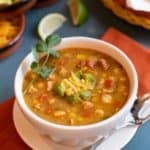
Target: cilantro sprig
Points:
(46, 48)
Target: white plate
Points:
(37, 142)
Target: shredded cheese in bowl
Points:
(8, 31)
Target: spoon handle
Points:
(140, 108)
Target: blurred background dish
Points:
(42, 3)
(120, 9)
(10, 50)
(12, 29)
(16, 6)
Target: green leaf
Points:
(41, 46)
(45, 71)
(35, 54)
(54, 53)
(35, 67)
(53, 40)
(85, 94)
(74, 98)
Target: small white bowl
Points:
(73, 135)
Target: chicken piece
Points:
(99, 113)
(106, 98)
(51, 101)
(91, 62)
(40, 85)
(87, 105)
(49, 85)
(63, 71)
(103, 63)
(59, 113)
(32, 89)
(51, 77)
(71, 121)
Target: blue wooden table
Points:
(100, 20)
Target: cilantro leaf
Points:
(45, 71)
(53, 40)
(54, 53)
(41, 46)
(35, 67)
(35, 54)
(46, 48)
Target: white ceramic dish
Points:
(71, 135)
(37, 142)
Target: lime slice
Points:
(49, 24)
(79, 12)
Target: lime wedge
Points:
(78, 11)
(49, 24)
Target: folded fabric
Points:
(140, 57)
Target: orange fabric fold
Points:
(140, 57)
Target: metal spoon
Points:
(135, 121)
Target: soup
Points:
(86, 87)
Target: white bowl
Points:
(74, 134)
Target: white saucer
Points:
(37, 142)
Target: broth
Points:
(86, 87)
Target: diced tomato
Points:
(108, 83)
(43, 97)
(61, 62)
(87, 114)
(117, 103)
(48, 110)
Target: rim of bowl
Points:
(130, 100)
(22, 22)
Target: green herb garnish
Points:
(46, 48)
(77, 87)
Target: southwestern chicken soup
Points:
(84, 87)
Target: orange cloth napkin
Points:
(136, 52)
(139, 55)
(9, 139)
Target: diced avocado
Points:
(59, 89)
(85, 94)
(89, 78)
(74, 98)
(79, 74)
